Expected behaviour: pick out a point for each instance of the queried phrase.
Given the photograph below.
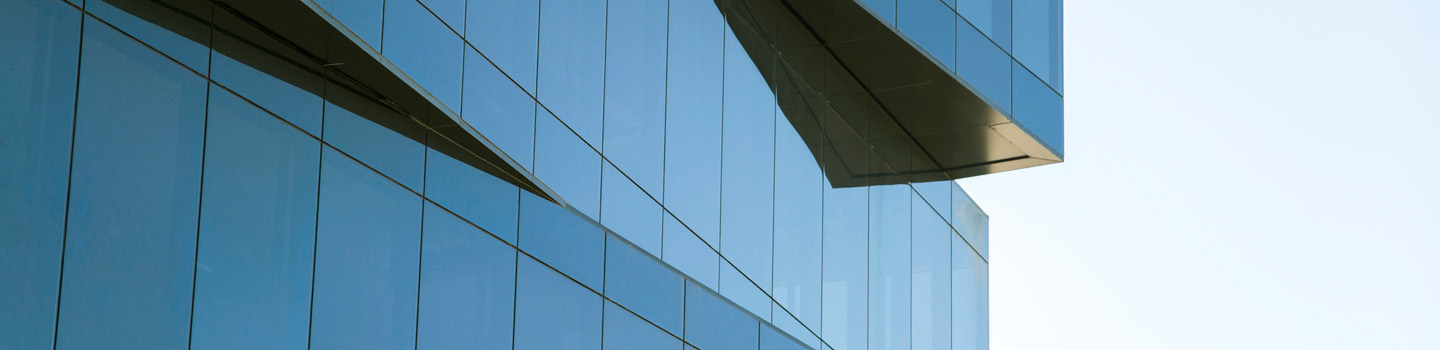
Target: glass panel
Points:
(1039, 39)
(991, 17)
(376, 135)
(1039, 109)
(742, 290)
(970, 220)
(930, 24)
(467, 286)
(798, 208)
(692, 118)
(134, 197)
(367, 259)
(279, 84)
(571, 80)
(257, 230)
(984, 66)
(181, 31)
(554, 313)
(890, 267)
(934, 194)
(844, 248)
(930, 277)
(514, 51)
(971, 312)
(424, 49)
(773, 339)
(498, 109)
(567, 165)
(747, 190)
(687, 253)
(484, 200)
(363, 17)
(635, 90)
(884, 8)
(41, 41)
(713, 324)
(450, 11)
(629, 211)
(787, 323)
(625, 331)
(562, 239)
(644, 285)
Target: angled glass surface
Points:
(553, 312)
(567, 164)
(1039, 108)
(269, 74)
(984, 66)
(467, 286)
(748, 152)
(798, 211)
(929, 277)
(890, 267)
(257, 230)
(182, 32)
(515, 52)
(571, 75)
(884, 8)
(713, 324)
(687, 253)
(363, 17)
(40, 39)
(134, 197)
(452, 12)
(970, 312)
(629, 212)
(1039, 39)
(562, 239)
(930, 24)
(972, 222)
(376, 135)
(773, 339)
(625, 331)
(692, 116)
(424, 49)
(484, 200)
(991, 17)
(845, 286)
(743, 291)
(500, 110)
(644, 285)
(635, 90)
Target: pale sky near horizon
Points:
(1239, 175)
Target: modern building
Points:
(511, 174)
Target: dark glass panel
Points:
(257, 230)
(479, 197)
(635, 90)
(930, 24)
(467, 286)
(268, 73)
(567, 165)
(687, 253)
(625, 331)
(424, 49)
(367, 259)
(498, 109)
(562, 239)
(134, 198)
(363, 17)
(692, 118)
(181, 32)
(571, 75)
(553, 312)
(41, 41)
(376, 135)
(629, 212)
(514, 51)
(711, 323)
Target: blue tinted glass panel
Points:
(257, 230)
(450, 11)
(936, 195)
(554, 313)
(890, 267)
(498, 109)
(467, 286)
(845, 287)
(629, 211)
(567, 165)
(798, 208)
(687, 253)
(984, 66)
(41, 41)
(713, 324)
(562, 239)
(692, 118)
(134, 197)
(991, 17)
(1039, 109)
(785, 322)
(362, 17)
(884, 8)
(625, 331)
(929, 277)
(424, 49)
(376, 135)
(484, 200)
(970, 311)
(571, 77)
(773, 339)
(367, 253)
(742, 290)
(644, 285)
(635, 90)
(275, 83)
(747, 190)
(515, 50)
(1039, 39)
(930, 24)
(177, 31)
(970, 220)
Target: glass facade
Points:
(174, 175)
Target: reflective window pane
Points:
(747, 190)
(257, 230)
(890, 267)
(692, 118)
(450, 11)
(773, 339)
(1039, 109)
(460, 187)
(1039, 39)
(424, 49)
(635, 90)
(884, 8)
(567, 165)
(562, 239)
(687, 253)
(554, 313)
(498, 109)
(845, 287)
(363, 17)
(467, 286)
(970, 310)
(713, 324)
(134, 197)
(376, 135)
(268, 73)
(177, 30)
(972, 223)
(991, 17)
(41, 41)
(367, 253)
(742, 290)
(798, 208)
(629, 211)
(624, 331)
(515, 51)
(929, 277)
(644, 285)
(931, 25)
(984, 66)
(571, 76)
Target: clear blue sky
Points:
(1239, 175)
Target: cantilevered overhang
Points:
(295, 41)
(857, 89)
